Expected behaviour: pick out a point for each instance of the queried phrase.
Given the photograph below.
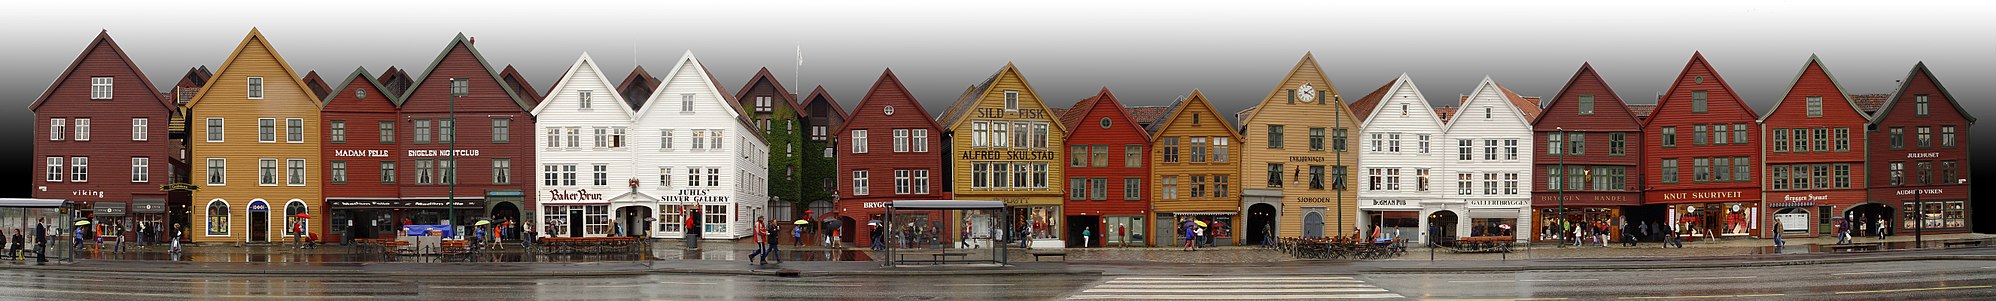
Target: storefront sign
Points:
(1014, 201)
(442, 152)
(577, 195)
(1389, 202)
(873, 205)
(695, 195)
(1920, 191)
(1497, 202)
(179, 187)
(1793, 221)
(360, 153)
(1000, 113)
(1792, 204)
(1305, 159)
(402, 203)
(1314, 200)
(88, 193)
(109, 209)
(1922, 155)
(1544, 197)
(1030, 155)
(258, 207)
(1706, 195)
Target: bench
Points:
(934, 257)
(1038, 254)
(1961, 243)
(1853, 247)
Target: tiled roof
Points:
(965, 103)
(1642, 111)
(1444, 112)
(1870, 102)
(1146, 115)
(1364, 105)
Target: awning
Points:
(108, 208)
(149, 205)
(31, 203)
(1495, 213)
(945, 205)
(379, 203)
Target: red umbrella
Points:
(304, 216)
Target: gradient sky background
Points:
(1148, 53)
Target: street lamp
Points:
(1561, 193)
(459, 87)
(1920, 225)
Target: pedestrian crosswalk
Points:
(1233, 288)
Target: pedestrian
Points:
(797, 236)
(877, 238)
(1778, 243)
(41, 240)
(1880, 227)
(175, 241)
(1842, 230)
(1086, 234)
(1191, 235)
(121, 239)
(527, 240)
(769, 231)
(761, 240)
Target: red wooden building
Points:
(1919, 157)
(491, 135)
(102, 112)
(362, 159)
(1592, 157)
(1700, 155)
(1815, 157)
(1106, 173)
(888, 109)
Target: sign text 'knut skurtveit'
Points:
(1703, 195)
(695, 196)
(577, 195)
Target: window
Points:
(100, 88)
(903, 181)
(1077, 155)
(922, 181)
(602, 136)
(217, 171)
(1554, 143)
(1198, 149)
(1779, 176)
(1462, 149)
(1949, 173)
(1801, 139)
(1011, 100)
(1511, 148)
(921, 141)
(1722, 170)
(582, 98)
(502, 171)
(713, 177)
(859, 183)
(294, 130)
(600, 174)
(1925, 168)
(1220, 149)
(1490, 149)
(1098, 189)
(54, 169)
(255, 89)
(693, 176)
(1316, 177)
(858, 141)
(1618, 144)
(1552, 178)
(218, 218)
(1511, 183)
(1486, 112)
(686, 103)
(426, 172)
(423, 132)
(1925, 139)
(716, 218)
(1822, 139)
(1898, 137)
(1374, 179)
(1608, 178)
(1898, 173)
(266, 172)
(460, 87)
(1739, 133)
(1274, 136)
(999, 137)
(1393, 142)
(1133, 155)
(339, 131)
(1316, 139)
(665, 139)
(980, 132)
(1719, 134)
(1780, 140)
(1701, 170)
(978, 178)
(1698, 101)
(1586, 104)
(502, 131)
(1698, 135)
(1947, 137)
(1669, 136)
(1169, 187)
(1669, 171)
(83, 129)
(900, 140)
(1378, 143)
(1843, 173)
(388, 173)
(1393, 179)
(141, 169)
(1133, 189)
(1274, 175)
(1198, 186)
(617, 135)
(1463, 182)
(1338, 139)
(55, 129)
(446, 130)
(1920, 105)
(388, 133)
(339, 171)
(1170, 145)
(139, 127)
(1741, 169)
(1489, 183)
(266, 130)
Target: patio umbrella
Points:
(82, 222)
(802, 222)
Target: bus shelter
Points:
(973, 234)
(57, 216)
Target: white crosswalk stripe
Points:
(1233, 288)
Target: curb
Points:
(578, 273)
(1705, 265)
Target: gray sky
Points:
(1146, 52)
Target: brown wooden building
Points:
(1816, 157)
(888, 108)
(490, 133)
(1107, 152)
(1699, 157)
(102, 111)
(1591, 158)
(1195, 170)
(1919, 157)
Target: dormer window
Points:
(100, 88)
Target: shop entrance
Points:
(1441, 226)
(507, 212)
(848, 230)
(259, 221)
(1261, 223)
(574, 222)
(632, 220)
(1077, 223)
(1313, 224)
(1868, 217)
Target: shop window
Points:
(218, 218)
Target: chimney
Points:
(473, 41)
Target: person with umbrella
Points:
(875, 236)
(832, 232)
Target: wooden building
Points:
(913, 160)
(1195, 171)
(257, 124)
(362, 156)
(1399, 139)
(1919, 157)
(776, 113)
(1107, 152)
(1589, 156)
(1302, 182)
(1489, 164)
(102, 108)
(1815, 158)
(584, 177)
(822, 117)
(460, 95)
(696, 129)
(1004, 146)
(1699, 156)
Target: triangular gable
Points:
(711, 85)
(460, 40)
(583, 61)
(317, 85)
(1920, 69)
(977, 93)
(1393, 87)
(1196, 99)
(360, 74)
(1814, 63)
(519, 84)
(1698, 59)
(819, 95)
(1329, 90)
(1081, 112)
(638, 78)
(1587, 71)
(255, 36)
(781, 92)
(104, 39)
(1488, 86)
(880, 86)
(1362, 108)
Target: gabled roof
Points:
(1329, 90)
(520, 85)
(397, 81)
(963, 105)
(637, 76)
(318, 85)
(1157, 128)
(197, 76)
(254, 36)
(1529, 106)
(466, 42)
(882, 86)
(1870, 102)
(1146, 115)
(762, 75)
(1086, 106)
(1813, 62)
(1486, 86)
(1919, 69)
(1445, 113)
(361, 74)
(104, 39)
(1642, 111)
(1362, 108)
(1698, 59)
(1587, 71)
(1393, 87)
(712, 85)
(583, 61)
(818, 95)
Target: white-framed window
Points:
(218, 172)
(266, 130)
(762, 104)
(602, 136)
(426, 171)
(1393, 142)
(141, 169)
(266, 172)
(294, 130)
(502, 171)
(980, 132)
(54, 169)
(713, 177)
(999, 134)
(1920, 105)
(665, 139)
(617, 135)
(599, 174)
(339, 171)
(664, 177)
(921, 141)
(550, 174)
(1220, 149)
(100, 88)
(295, 175)
(1169, 187)
(1423, 138)
(699, 139)
(79, 169)
(859, 183)
(55, 129)
(553, 137)
(139, 127)
(900, 140)
(1011, 100)
(83, 129)
(1815, 104)
(715, 138)
(859, 141)
(582, 98)
(921, 181)
(255, 88)
(903, 181)
(686, 103)
(693, 176)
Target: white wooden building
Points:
(699, 152)
(1401, 152)
(1487, 149)
(585, 160)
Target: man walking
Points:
(761, 240)
(41, 240)
(1778, 243)
(769, 232)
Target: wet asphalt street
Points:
(1910, 280)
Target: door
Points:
(1078, 224)
(1441, 226)
(1260, 223)
(575, 223)
(1313, 224)
(259, 226)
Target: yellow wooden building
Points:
(1005, 146)
(254, 139)
(1195, 172)
(1298, 161)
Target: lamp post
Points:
(1920, 225)
(458, 89)
(1561, 193)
